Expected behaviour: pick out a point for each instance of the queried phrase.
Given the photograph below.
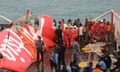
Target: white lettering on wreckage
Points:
(7, 46)
(32, 35)
(12, 47)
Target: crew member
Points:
(101, 30)
(109, 31)
(40, 51)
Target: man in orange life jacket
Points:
(93, 30)
(74, 34)
(101, 30)
(109, 31)
(65, 33)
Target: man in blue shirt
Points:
(102, 64)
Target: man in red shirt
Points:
(101, 30)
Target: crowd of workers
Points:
(92, 30)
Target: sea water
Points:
(58, 9)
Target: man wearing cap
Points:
(101, 30)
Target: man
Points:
(54, 59)
(40, 50)
(80, 32)
(97, 68)
(89, 67)
(102, 64)
(59, 34)
(76, 51)
(61, 53)
(107, 59)
(101, 30)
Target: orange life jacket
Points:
(97, 70)
(108, 28)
